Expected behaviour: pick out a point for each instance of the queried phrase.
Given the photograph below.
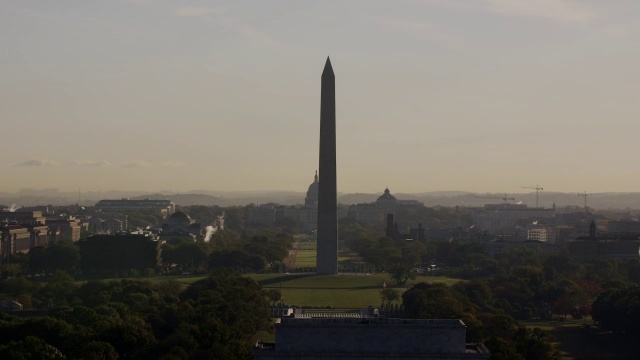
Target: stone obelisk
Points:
(327, 255)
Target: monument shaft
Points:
(327, 255)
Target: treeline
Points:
(472, 303)
(519, 284)
(523, 284)
(257, 251)
(213, 318)
(618, 309)
(104, 256)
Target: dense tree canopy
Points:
(618, 309)
(130, 319)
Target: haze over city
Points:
(432, 95)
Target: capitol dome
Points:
(312, 192)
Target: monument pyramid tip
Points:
(328, 69)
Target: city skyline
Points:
(484, 96)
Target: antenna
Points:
(537, 188)
(584, 194)
(504, 198)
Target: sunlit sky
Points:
(476, 95)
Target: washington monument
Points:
(327, 255)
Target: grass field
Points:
(578, 339)
(337, 291)
(306, 258)
(184, 280)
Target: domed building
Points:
(376, 212)
(306, 216)
(312, 193)
(309, 212)
(387, 200)
(178, 219)
(180, 226)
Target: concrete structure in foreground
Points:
(369, 338)
(327, 256)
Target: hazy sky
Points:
(477, 95)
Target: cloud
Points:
(173, 163)
(556, 10)
(231, 23)
(93, 163)
(247, 30)
(37, 162)
(565, 11)
(137, 2)
(136, 163)
(426, 31)
(196, 11)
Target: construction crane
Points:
(537, 188)
(504, 198)
(584, 194)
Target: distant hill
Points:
(229, 198)
(185, 199)
(237, 198)
(357, 198)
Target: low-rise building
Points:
(22, 217)
(544, 233)
(63, 230)
(498, 218)
(375, 213)
(165, 207)
(363, 337)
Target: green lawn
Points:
(306, 258)
(338, 291)
(578, 339)
(184, 280)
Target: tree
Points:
(432, 301)
(477, 292)
(402, 272)
(404, 260)
(236, 259)
(17, 286)
(225, 239)
(59, 290)
(97, 350)
(563, 306)
(389, 295)
(618, 309)
(287, 222)
(234, 218)
(535, 344)
(633, 271)
(132, 338)
(224, 311)
(438, 301)
(203, 214)
(273, 296)
(186, 253)
(29, 348)
(9, 270)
